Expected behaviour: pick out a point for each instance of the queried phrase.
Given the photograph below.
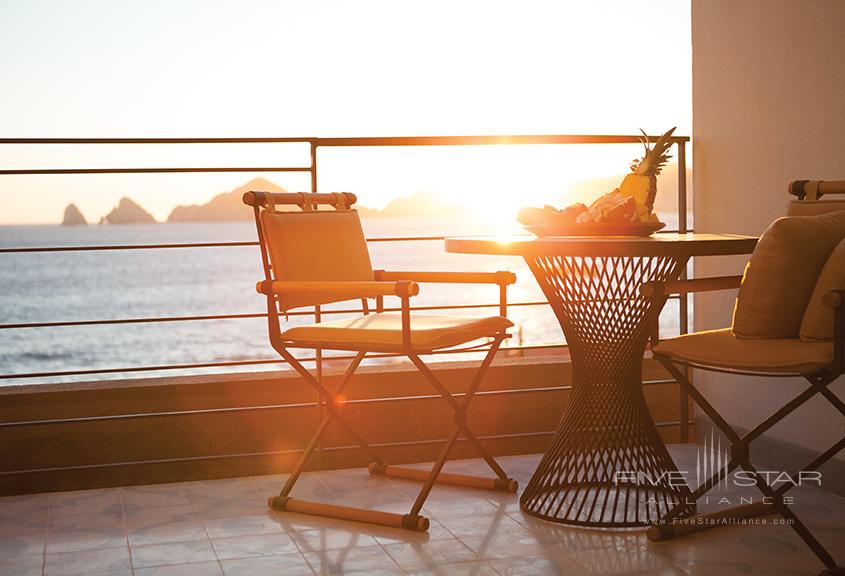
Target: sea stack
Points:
(128, 212)
(73, 217)
(228, 206)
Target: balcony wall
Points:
(519, 407)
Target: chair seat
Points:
(721, 349)
(383, 331)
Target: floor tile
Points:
(172, 553)
(86, 562)
(163, 532)
(157, 495)
(21, 523)
(194, 569)
(14, 546)
(476, 568)
(135, 516)
(367, 559)
(348, 536)
(24, 504)
(73, 539)
(105, 502)
(284, 565)
(254, 545)
(241, 525)
(532, 566)
(32, 565)
(430, 554)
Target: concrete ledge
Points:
(521, 403)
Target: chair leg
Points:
(502, 482)
(312, 444)
(799, 527)
(740, 457)
(411, 521)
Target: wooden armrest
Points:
(256, 198)
(834, 299)
(815, 189)
(351, 289)
(649, 289)
(501, 277)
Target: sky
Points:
(261, 68)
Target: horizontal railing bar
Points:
(243, 363)
(185, 245)
(295, 139)
(148, 170)
(150, 320)
(28, 249)
(263, 407)
(367, 141)
(407, 443)
(490, 139)
(255, 315)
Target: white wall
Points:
(768, 108)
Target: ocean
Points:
(114, 284)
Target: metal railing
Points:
(314, 144)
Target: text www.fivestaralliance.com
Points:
(703, 521)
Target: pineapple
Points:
(641, 183)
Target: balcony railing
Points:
(314, 145)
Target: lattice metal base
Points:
(607, 465)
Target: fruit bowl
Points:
(606, 229)
(625, 211)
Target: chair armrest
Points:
(500, 277)
(352, 289)
(649, 289)
(835, 300)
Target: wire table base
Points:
(607, 465)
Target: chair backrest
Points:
(809, 194)
(311, 244)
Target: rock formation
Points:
(127, 212)
(419, 205)
(73, 217)
(227, 206)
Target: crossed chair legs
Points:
(413, 520)
(740, 458)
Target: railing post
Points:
(313, 170)
(683, 302)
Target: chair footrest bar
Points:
(692, 524)
(406, 521)
(503, 485)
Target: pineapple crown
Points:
(654, 158)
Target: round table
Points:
(606, 465)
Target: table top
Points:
(662, 244)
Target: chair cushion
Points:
(818, 319)
(316, 245)
(384, 331)
(781, 274)
(721, 349)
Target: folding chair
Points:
(820, 363)
(313, 257)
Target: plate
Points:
(620, 229)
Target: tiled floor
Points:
(223, 527)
